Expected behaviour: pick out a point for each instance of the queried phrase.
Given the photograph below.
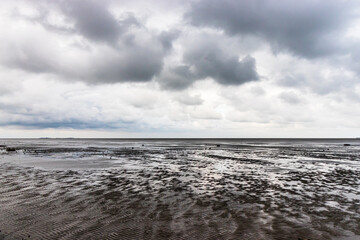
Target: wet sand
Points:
(179, 190)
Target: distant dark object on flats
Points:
(218, 145)
(346, 144)
(10, 149)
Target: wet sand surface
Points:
(180, 189)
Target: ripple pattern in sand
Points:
(196, 192)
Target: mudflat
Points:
(179, 189)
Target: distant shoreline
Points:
(73, 138)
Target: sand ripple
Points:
(182, 192)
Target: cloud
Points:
(208, 59)
(134, 63)
(203, 112)
(111, 49)
(315, 76)
(71, 124)
(29, 56)
(167, 37)
(94, 21)
(290, 97)
(198, 68)
(50, 104)
(308, 28)
(176, 78)
(188, 100)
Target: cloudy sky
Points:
(193, 68)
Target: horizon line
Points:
(190, 138)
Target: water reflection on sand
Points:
(180, 189)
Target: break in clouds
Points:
(205, 67)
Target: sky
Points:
(189, 68)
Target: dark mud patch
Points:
(184, 193)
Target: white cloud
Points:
(145, 76)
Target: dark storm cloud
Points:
(177, 78)
(130, 63)
(134, 61)
(120, 49)
(134, 64)
(208, 59)
(139, 62)
(309, 28)
(167, 37)
(93, 20)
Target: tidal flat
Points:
(180, 189)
